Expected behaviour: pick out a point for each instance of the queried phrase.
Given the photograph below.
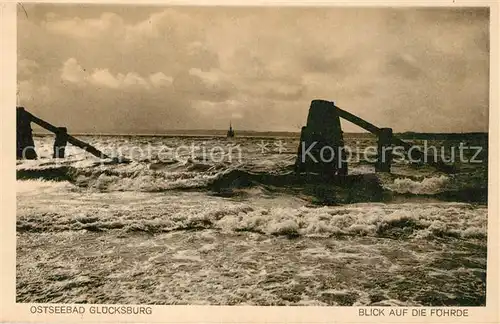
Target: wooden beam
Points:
(42, 123)
(76, 142)
(358, 121)
(87, 147)
(395, 140)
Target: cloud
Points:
(203, 85)
(83, 28)
(159, 79)
(106, 79)
(73, 72)
(167, 24)
(198, 67)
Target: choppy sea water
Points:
(177, 228)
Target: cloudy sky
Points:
(119, 69)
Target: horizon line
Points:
(211, 132)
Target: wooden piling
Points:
(72, 140)
(60, 142)
(321, 142)
(384, 150)
(25, 148)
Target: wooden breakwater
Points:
(25, 148)
(324, 131)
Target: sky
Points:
(148, 69)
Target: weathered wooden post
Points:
(60, 142)
(384, 150)
(321, 142)
(25, 148)
(72, 140)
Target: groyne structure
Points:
(323, 133)
(26, 147)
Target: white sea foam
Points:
(94, 244)
(145, 180)
(427, 186)
(197, 211)
(37, 187)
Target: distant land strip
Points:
(249, 133)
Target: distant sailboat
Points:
(230, 132)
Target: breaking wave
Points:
(248, 232)
(409, 220)
(227, 180)
(428, 186)
(129, 177)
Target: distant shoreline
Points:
(183, 134)
(246, 134)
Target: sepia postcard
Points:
(269, 162)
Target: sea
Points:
(206, 220)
